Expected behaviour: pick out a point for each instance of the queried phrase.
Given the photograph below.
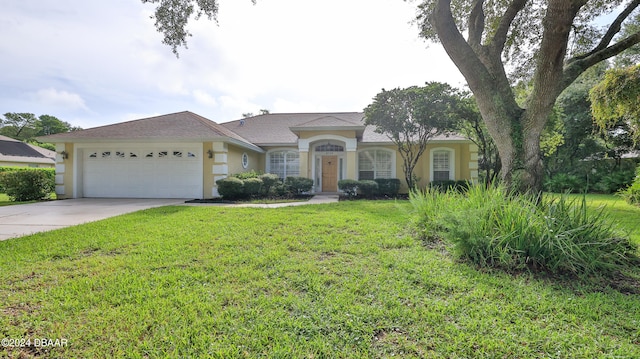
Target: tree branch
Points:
(614, 28)
(577, 66)
(500, 37)
(460, 52)
(476, 23)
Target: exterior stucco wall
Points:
(64, 170)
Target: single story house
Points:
(182, 155)
(14, 153)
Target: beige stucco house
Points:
(182, 155)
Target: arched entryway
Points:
(329, 164)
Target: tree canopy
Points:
(411, 117)
(25, 126)
(617, 97)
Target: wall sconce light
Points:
(210, 153)
(65, 154)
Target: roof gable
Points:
(179, 126)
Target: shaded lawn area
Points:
(345, 280)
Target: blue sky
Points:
(93, 62)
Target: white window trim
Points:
(452, 162)
(394, 156)
(285, 149)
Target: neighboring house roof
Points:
(280, 128)
(176, 126)
(12, 150)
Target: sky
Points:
(96, 62)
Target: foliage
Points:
(448, 185)
(565, 183)
(247, 175)
(269, 180)
(298, 185)
(616, 97)
(491, 228)
(472, 127)
(614, 181)
(231, 188)
(26, 126)
(631, 194)
(27, 185)
(388, 186)
(349, 187)
(252, 186)
(411, 117)
(367, 188)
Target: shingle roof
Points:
(182, 125)
(276, 128)
(12, 150)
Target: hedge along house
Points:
(182, 155)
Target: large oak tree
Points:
(550, 43)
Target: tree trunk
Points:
(516, 131)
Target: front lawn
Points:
(345, 280)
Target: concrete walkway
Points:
(24, 219)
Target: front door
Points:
(329, 173)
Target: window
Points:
(245, 160)
(329, 148)
(441, 164)
(284, 163)
(374, 164)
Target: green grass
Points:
(345, 280)
(624, 214)
(6, 201)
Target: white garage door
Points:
(167, 171)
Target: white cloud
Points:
(63, 99)
(281, 55)
(204, 98)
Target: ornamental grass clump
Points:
(493, 228)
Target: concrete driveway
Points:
(25, 219)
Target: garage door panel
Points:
(159, 172)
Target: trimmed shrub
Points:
(349, 187)
(247, 175)
(269, 180)
(492, 228)
(388, 186)
(28, 185)
(298, 185)
(252, 186)
(51, 172)
(368, 188)
(231, 188)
